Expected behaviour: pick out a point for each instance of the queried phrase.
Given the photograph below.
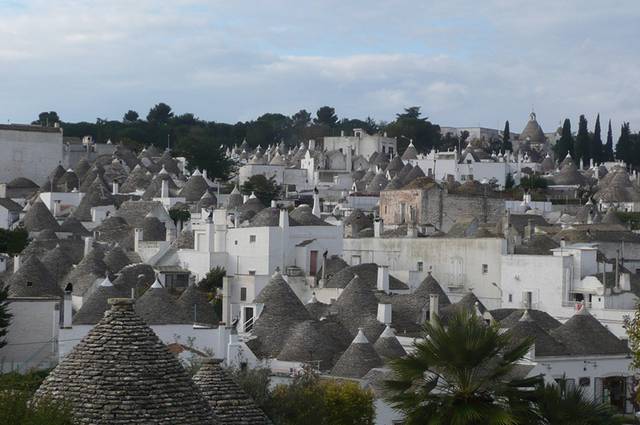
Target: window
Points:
(355, 260)
(235, 242)
(420, 266)
(252, 238)
(485, 268)
(584, 382)
(385, 211)
(252, 272)
(390, 151)
(510, 298)
(243, 294)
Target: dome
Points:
(532, 132)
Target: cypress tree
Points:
(623, 147)
(564, 145)
(597, 150)
(5, 316)
(608, 148)
(581, 144)
(506, 138)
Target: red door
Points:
(313, 263)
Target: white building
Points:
(29, 151)
(362, 143)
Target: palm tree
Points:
(558, 405)
(463, 374)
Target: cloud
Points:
(464, 62)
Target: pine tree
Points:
(581, 144)
(506, 138)
(597, 150)
(5, 316)
(564, 145)
(623, 147)
(608, 148)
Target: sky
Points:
(466, 63)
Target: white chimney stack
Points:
(164, 189)
(56, 208)
(67, 307)
(137, 238)
(115, 187)
(378, 227)
(16, 263)
(383, 279)
(316, 203)
(284, 218)
(384, 313)
(434, 307)
(88, 244)
(274, 204)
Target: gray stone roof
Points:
(85, 274)
(116, 259)
(157, 307)
(429, 286)
(195, 302)
(368, 272)
(96, 195)
(138, 179)
(569, 175)
(281, 312)
(195, 187)
(155, 187)
(52, 179)
(114, 230)
(39, 218)
(358, 359)
(414, 173)
(537, 245)
(169, 163)
(404, 171)
(544, 343)
(410, 152)
(357, 307)
(509, 317)
(96, 303)
(74, 226)
(208, 200)
(395, 165)
(153, 229)
(378, 183)
(235, 199)
(82, 167)
(303, 216)
(134, 212)
(387, 346)
(67, 182)
(230, 404)
(316, 308)
(267, 217)
(583, 334)
(90, 177)
(73, 247)
(312, 342)
(333, 264)
(46, 235)
(32, 280)
(121, 373)
(133, 276)
(10, 205)
(58, 263)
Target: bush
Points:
(16, 409)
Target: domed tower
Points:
(532, 137)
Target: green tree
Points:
(203, 153)
(180, 214)
(624, 147)
(509, 182)
(212, 281)
(506, 138)
(130, 116)
(533, 182)
(409, 125)
(301, 119)
(160, 114)
(581, 144)
(597, 149)
(13, 241)
(564, 145)
(461, 374)
(309, 400)
(5, 315)
(264, 188)
(608, 148)
(326, 115)
(47, 119)
(558, 405)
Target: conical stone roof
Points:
(281, 312)
(97, 303)
(410, 153)
(532, 132)
(414, 173)
(357, 307)
(96, 195)
(116, 259)
(32, 280)
(230, 404)
(208, 200)
(358, 359)
(387, 346)
(39, 218)
(195, 187)
(58, 263)
(312, 342)
(153, 229)
(137, 180)
(87, 272)
(157, 307)
(82, 167)
(194, 301)
(121, 373)
(74, 226)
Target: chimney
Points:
(16, 263)
(164, 189)
(137, 238)
(384, 313)
(88, 244)
(3, 264)
(563, 243)
(245, 198)
(378, 227)
(67, 307)
(170, 234)
(383, 279)
(56, 208)
(284, 218)
(316, 203)
(434, 307)
(529, 229)
(274, 204)
(115, 188)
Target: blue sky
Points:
(464, 62)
